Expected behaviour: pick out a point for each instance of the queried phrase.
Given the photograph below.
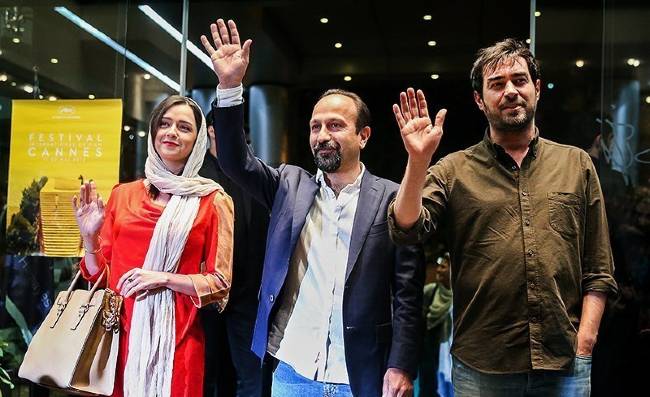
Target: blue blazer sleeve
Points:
(237, 159)
(408, 284)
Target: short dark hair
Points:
(490, 57)
(363, 113)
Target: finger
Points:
(384, 388)
(100, 202)
(440, 118)
(207, 45)
(413, 106)
(125, 289)
(93, 191)
(223, 32)
(129, 288)
(406, 113)
(137, 287)
(82, 195)
(214, 30)
(75, 201)
(422, 104)
(143, 287)
(87, 192)
(398, 117)
(234, 34)
(246, 50)
(124, 277)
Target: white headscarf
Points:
(152, 336)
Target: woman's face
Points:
(175, 136)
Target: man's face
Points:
(509, 96)
(333, 138)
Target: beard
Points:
(511, 120)
(327, 161)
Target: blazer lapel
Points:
(304, 199)
(367, 206)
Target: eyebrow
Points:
(327, 120)
(179, 121)
(518, 74)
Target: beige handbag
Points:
(75, 349)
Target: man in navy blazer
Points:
(339, 303)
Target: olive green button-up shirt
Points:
(525, 243)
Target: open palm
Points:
(230, 58)
(88, 210)
(421, 137)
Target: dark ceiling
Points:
(382, 41)
(384, 49)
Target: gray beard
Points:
(328, 163)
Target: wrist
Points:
(92, 244)
(227, 84)
(418, 162)
(91, 241)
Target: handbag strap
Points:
(92, 290)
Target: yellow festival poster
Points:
(55, 145)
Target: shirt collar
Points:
(320, 178)
(497, 150)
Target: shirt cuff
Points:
(600, 283)
(228, 97)
(210, 288)
(416, 234)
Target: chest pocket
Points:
(564, 212)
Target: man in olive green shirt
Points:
(525, 222)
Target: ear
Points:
(364, 134)
(538, 91)
(479, 101)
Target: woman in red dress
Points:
(166, 242)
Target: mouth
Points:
(513, 106)
(325, 151)
(170, 144)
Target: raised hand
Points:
(230, 59)
(89, 211)
(421, 138)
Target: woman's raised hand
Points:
(229, 56)
(88, 210)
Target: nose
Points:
(171, 131)
(323, 135)
(510, 90)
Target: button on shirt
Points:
(526, 244)
(310, 337)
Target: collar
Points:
(320, 178)
(497, 150)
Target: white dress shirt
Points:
(312, 342)
(313, 338)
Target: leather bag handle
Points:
(62, 305)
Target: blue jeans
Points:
(288, 383)
(574, 382)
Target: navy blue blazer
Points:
(382, 299)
